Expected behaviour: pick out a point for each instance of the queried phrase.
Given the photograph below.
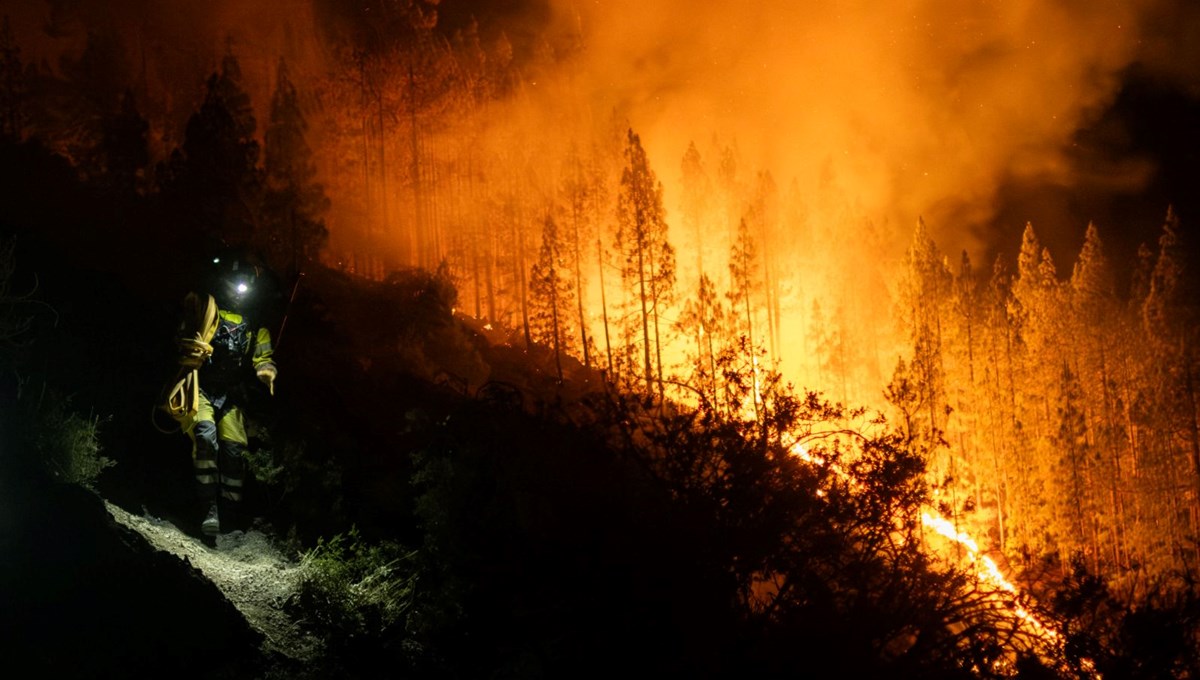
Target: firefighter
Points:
(225, 351)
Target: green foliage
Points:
(64, 443)
(260, 462)
(296, 465)
(354, 591)
(53, 439)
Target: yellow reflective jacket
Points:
(237, 352)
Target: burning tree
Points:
(704, 317)
(744, 284)
(816, 515)
(648, 267)
(583, 193)
(551, 291)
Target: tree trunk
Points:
(641, 249)
(576, 216)
(519, 272)
(383, 183)
(604, 306)
(554, 317)
(1194, 431)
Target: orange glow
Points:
(1045, 636)
(865, 116)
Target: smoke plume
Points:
(922, 107)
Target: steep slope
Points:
(248, 569)
(82, 596)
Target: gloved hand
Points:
(266, 373)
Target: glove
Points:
(266, 373)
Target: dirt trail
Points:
(255, 576)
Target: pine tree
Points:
(1067, 477)
(294, 202)
(14, 86)
(1000, 395)
(744, 285)
(925, 288)
(704, 318)
(694, 206)
(551, 292)
(1170, 314)
(1097, 324)
(1170, 308)
(1026, 287)
(1139, 282)
(965, 388)
(1092, 276)
(74, 112)
(763, 212)
(648, 267)
(827, 338)
(125, 148)
(583, 192)
(213, 181)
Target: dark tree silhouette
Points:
(124, 148)
(14, 86)
(213, 181)
(294, 203)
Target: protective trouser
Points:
(219, 444)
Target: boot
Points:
(211, 526)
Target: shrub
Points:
(353, 591)
(65, 443)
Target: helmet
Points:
(234, 280)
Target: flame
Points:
(988, 573)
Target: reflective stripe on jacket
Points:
(237, 353)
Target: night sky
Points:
(1153, 123)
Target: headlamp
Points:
(239, 288)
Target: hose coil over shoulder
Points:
(199, 325)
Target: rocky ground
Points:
(251, 571)
(89, 590)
